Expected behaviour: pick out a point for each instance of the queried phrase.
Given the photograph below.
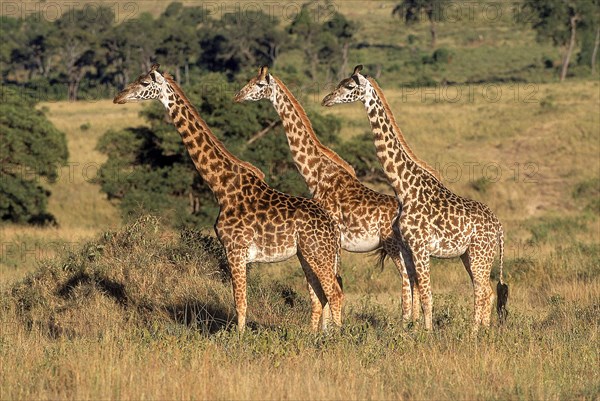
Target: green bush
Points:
(32, 150)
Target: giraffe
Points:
(434, 221)
(364, 216)
(256, 223)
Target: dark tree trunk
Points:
(433, 31)
(571, 46)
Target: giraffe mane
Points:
(215, 140)
(330, 154)
(421, 163)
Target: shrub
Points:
(146, 278)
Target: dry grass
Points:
(145, 313)
(76, 201)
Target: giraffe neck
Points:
(314, 161)
(216, 165)
(401, 167)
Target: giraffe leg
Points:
(326, 316)
(421, 262)
(329, 285)
(416, 306)
(236, 259)
(316, 307)
(479, 268)
(318, 250)
(407, 282)
(414, 283)
(317, 296)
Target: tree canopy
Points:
(32, 151)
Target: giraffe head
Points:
(148, 86)
(348, 90)
(259, 87)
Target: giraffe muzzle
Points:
(121, 98)
(239, 97)
(328, 101)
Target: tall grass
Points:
(143, 312)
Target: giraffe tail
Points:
(381, 255)
(501, 287)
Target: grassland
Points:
(93, 309)
(546, 351)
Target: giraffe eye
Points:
(145, 83)
(261, 85)
(350, 86)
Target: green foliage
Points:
(148, 170)
(322, 42)
(481, 184)
(32, 149)
(551, 19)
(562, 20)
(412, 11)
(442, 56)
(358, 151)
(84, 54)
(242, 39)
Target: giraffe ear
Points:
(357, 69)
(155, 67)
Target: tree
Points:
(323, 43)
(308, 34)
(179, 29)
(80, 36)
(32, 149)
(590, 35)
(11, 33)
(37, 47)
(343, 30)
(410, 12)
(559, 20)
(242, 40)
(129, 48)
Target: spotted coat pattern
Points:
(434, 221)
(256, 223)
(365, 217)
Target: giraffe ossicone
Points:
(256, 223)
